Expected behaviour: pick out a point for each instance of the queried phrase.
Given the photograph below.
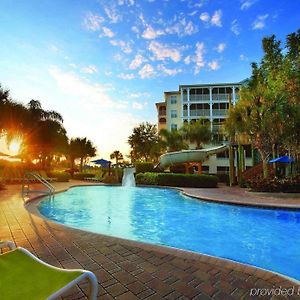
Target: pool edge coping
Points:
(31, 205)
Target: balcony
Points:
(199, 98)
(221, 97)
(220, 112)
(199, 112)
(162, 112)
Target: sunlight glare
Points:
(14, 147)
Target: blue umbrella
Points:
(282, 159)
(102, 162)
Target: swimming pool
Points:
(261, 237)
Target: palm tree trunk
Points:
(81, 164)
(231, 167)
(264, 159)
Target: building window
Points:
(173, 113)
(162, 121)
(173, 99)
(173, 126)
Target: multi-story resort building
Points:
(209, 102)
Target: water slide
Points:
(186, 156)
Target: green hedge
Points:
(82, 176)
(60, 176)
(143, 167)
(180, 180)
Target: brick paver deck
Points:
(130, 270)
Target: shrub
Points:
(143, 167)
(82, 176)
(180, 180)
(275, 185)
(223, 178)
(60, 176)
(147, 178)
(110, 179)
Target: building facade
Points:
(211, 103)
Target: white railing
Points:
(31, 177)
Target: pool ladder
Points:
(30, 177)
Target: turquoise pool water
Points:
(262, 237)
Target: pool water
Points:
(265, 238)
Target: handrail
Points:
(39, 178)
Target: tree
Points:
(117, 155)
(172, 140)
(268, 110)
(143, 138)
(197, 132)
(80, 148)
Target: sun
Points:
(15, 146)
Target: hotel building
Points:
(209, 102)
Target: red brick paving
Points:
(129, 270)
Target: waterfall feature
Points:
(128, 177)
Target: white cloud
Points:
(136, 62)
(170, 72)
(182, 27)
(147, 71)
(188, 60)
(259, 22)
(163, 51)
(89, 69)
(139, 95)
(214, 65)
(235, 27)
(71, 84)
(107, 32)
(245, 4)
(126, 76)
(204, 17)
(221, 47)
(128, 2)
(108, 73)
(137, 105)
(243, 57)
(199, 59)
(93, 21)
(118, 57)
(112, 14)
(125, 46)
(151, 33)
(135, 29)
(216, 18)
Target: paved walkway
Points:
(239, 196)
(129, 270)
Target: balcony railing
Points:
(220, 112)
(206, 97)
(221, 97)
(162, 113)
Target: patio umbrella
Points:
(103, 163)
(282, 159)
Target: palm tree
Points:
(173, 140)
(117, 155)
(81, 148)
(198, 133)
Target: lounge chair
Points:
(24, 276)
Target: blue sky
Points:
(103, 64)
